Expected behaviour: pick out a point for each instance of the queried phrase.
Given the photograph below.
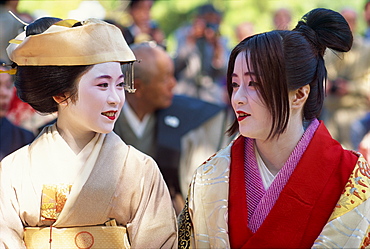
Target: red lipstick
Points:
(242, 115)
(110, 114)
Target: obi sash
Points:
(79, 227)
(99, 237)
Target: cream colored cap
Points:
(92, 43)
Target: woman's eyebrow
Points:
(108, 77)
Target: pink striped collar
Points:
(260, 201)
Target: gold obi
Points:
(76, 237)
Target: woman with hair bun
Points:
(283, 182)
(78, 185)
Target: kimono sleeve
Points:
(11, 227)
(144, 205)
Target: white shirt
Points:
(136, 125)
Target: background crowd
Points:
(191, 45)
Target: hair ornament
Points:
(10, 71)
(18, 19)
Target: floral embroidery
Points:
(54, 197)
(356, 190)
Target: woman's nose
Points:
(114, 97)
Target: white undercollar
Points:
(266, 175)
(137, 126)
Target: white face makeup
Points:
(100, 99)
(253, 116)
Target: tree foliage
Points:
(171, 14)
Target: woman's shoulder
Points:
(15, 159)
(134, 157)
(216, 164)
(132, 153)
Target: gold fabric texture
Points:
(184, 222)
(99, 237)
(54, 197)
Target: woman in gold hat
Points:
(78, 185)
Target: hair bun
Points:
(326, 28)
(311, 35)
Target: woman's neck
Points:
(275, 152)
(76, 140)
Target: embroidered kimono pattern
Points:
(206, 221)
(54, 197)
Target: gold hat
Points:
(63, 45)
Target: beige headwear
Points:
(63, 45)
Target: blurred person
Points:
(23, 115)
(19, 113)
(143, 27)
(12, 5)
(201, 57)
(12, 137)
(243, 30)
(78, 184)
(177, 131)
(359, 129)
(282, 19)
(10, 26)
(348, 87)
(284, 182)
(367, 19)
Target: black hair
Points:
(287, 60)
(40, 25)
(37, 85)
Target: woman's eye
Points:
(122, 84)
(234, 85)
(252, 83)
(103, 85)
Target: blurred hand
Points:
(212, 36)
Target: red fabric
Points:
(19, 110)
(238, 213)
(305, 203)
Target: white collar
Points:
(266, 175)
(137, 126)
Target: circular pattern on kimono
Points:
(84, 240)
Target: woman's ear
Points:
(300, 96)
(61, 99)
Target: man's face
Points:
(140, 13)
(158, 92)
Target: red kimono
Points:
(324, 202)
(305, 203)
